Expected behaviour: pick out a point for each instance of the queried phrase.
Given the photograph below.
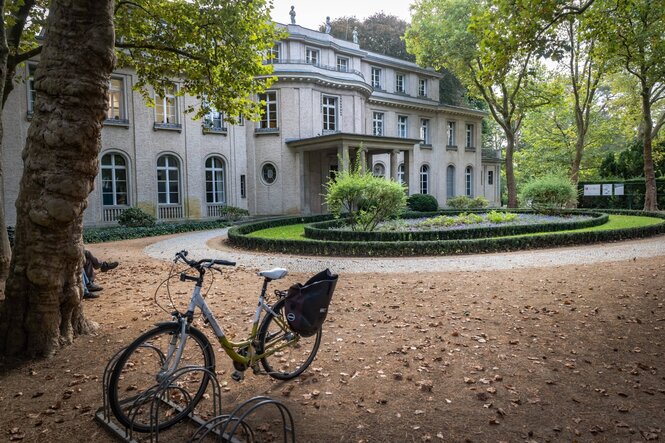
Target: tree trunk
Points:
(5, 252)
(43, 309)
(510, 173)
(650, 200)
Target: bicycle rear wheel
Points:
(289, 352)
(139, 371)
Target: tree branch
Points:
(130, 46)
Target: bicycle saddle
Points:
(274, 274)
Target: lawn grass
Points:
(297, 232)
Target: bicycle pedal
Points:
(237, 375)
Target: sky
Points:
(312, 13)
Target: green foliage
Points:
(629, 163)
(549, 192)
(367, 199)
(501, 217)
(422, 203)
(232, 213)
(464, 202)
(136, 218)
(98, 235)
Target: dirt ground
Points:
(573, 353)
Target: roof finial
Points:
(293, 15)
(328, 26)
(355, 34)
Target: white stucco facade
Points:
(332, 101)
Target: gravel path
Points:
(197, 245)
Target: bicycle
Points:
(153, 357)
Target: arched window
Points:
(215, 180)
(400, 173)
(468, 180)
(168, 180)
(424, 179)
(450, 181)
(114, 180)
(379, 170)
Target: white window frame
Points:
(377, 123)
(470, 128)
(274, 54)
(114, 168)
(214, 121)
(451, 136)
(167, 182)
(422, 87)
(312, 56)
(270, 107)
(162, 106)
(400, 83)
(400, 173)
(329, 111)
(212, 173)
(424, 179)
(425, 131)
(468, 181)
(376, 74)
(402, 126)
(450, 181)
(344, 65)
(117, 95)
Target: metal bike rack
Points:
(221, 427)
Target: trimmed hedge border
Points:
(323, 231)
(115, 233)
(238, 237)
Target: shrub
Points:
(549, 192)
(479, 203)
(232, 213)
(501, 217)
(422, 203)
(136, 218)
(367, 199)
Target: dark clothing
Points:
(91, 263)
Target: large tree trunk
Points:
(43, 307)
(650, 200)
(510, 173)
(5, 252)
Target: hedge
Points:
(99, 235)
(327, 231)
(238, 237)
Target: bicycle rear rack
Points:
(222, 427)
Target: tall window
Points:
(400, 83)
(422, 87)
(451, 134)
(32, 93)
(424, 179)
(312, 56)
(269, 114)
(468, 180)
(329, 114)
(214, 121)
(168, 180)
(114, 180)
(274, 53)
(450, 181)
(215, 180)
(424, 131)
(400, 173)
(166, 109)
(377, 123)
(469, 136)
(376, 78)
(342, 64)
(243, 186)
(402, 126)
(490, 177)
(116, 110)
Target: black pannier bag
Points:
(307, 305)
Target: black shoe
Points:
(90, 295)
(92, 287)
(108, 265)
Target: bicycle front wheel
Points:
(139, 392)
(288, 353)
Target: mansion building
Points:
(332, 102)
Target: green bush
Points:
(115, 233)
(464, 202)
(422, 203)
(136, 218)
(501, 217)
(232, 213)
(549, 193)
(367, 199)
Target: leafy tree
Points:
(213, 46)
(633, 32)
(629, 163)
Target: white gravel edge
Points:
(196, 244)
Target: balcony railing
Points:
(491, 154)
(215, 209)
(111, 213)
(170, 212)
(318, 65)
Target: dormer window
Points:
(422, 87)
(376, 78)
(400, 83)
(312, 56)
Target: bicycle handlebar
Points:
(182, 255)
